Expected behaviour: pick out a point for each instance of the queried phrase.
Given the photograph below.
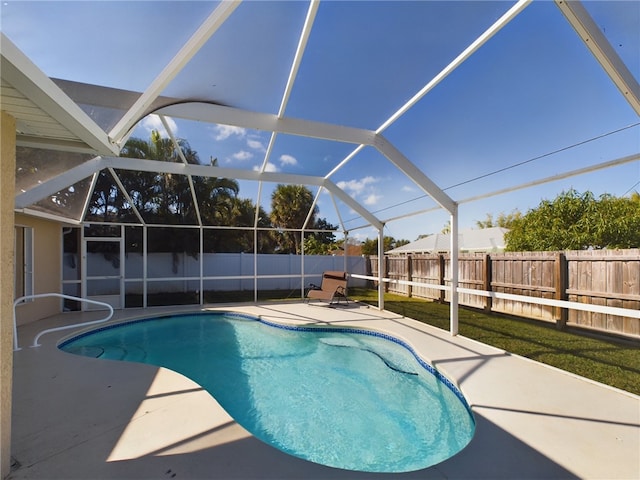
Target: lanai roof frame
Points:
(576, 15)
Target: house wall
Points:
(7, 189)
(47, 267)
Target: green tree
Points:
(107, 203)
(577, 221)
(242, 240)
(619, 225)
(504, 220)
(313, 246)
(218, 200)
(160, 197)
(321, 243)
(166, 198)
(370, 247)
(290, 206)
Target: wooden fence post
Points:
(409, 275)
(560, 282)
(441, 279)
(486, 272)
(385, 274)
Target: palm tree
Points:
(167, 198)
(216, 198)
(242, 240)
(159, 197)
(107, 203)
(290, 206)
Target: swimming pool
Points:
(347, 398)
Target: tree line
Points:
(577, 221)
(571, 221)
(169, 199)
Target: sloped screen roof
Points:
(384, 109)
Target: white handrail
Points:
(55, 329)
(586, 307)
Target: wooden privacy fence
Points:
(598, 277)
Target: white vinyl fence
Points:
(167, 272)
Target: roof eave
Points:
(72, 128)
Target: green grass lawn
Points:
(615, 363)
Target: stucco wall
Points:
(7, 189)
(47, 264)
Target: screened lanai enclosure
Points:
(162, 136)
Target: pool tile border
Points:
(372, 333)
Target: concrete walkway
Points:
(82, 418)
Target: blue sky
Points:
(532, 90)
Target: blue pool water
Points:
(347, 398)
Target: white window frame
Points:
(23, 276)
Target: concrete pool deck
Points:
(85, 418)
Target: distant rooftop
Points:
(470, 240)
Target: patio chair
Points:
(333, 288)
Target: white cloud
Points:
(153, 122)
(270, 168)
(222, 132)
(242, 155)
(372, 199)
(408, 188)
(256, 145)
(356, 187)
(288, 160)
(361, 237)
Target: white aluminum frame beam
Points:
(415, 174)
(59, 182)
(86, 169)
(381, 272)
(124, 192)
(310, 213)
(466, 53)
(178, 148)
(256, 216)
(339, 215)
(52, 217)
(269, 122)
(453, 251)
(553, 178)
(600, 47)
(297, 60)
(211, 113)
(125, 163)
(302, 45)
(87, 198)
(173, 68)
(348, 200)
(57, 144)
(561, 176)
(293, 73)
